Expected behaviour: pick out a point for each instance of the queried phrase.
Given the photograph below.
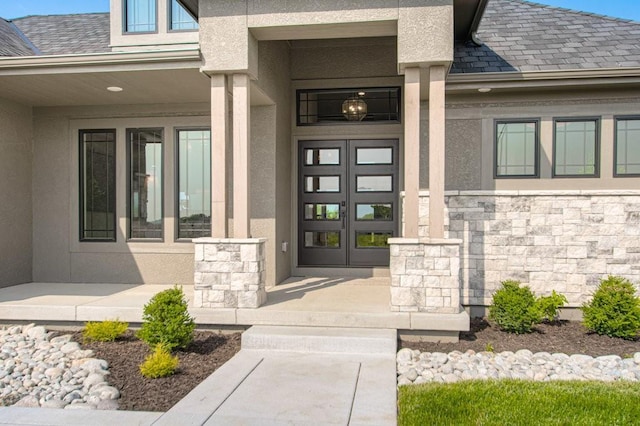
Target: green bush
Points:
(104, 331)
(549, 306)
(614, 310)
(160, 363)
(514, 308)
(167, 321)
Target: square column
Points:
(229, 273)
(411, 151)
(436, 150)
(219, 137)
(241, 109)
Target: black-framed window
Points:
(97, 185)
(145, 183)
(193, 152)
(516, 148)
(627, 146)
(140, 16)
(179, 18)
(343, 106)
(576, 147)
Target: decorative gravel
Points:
(37, 370)
(415, 367)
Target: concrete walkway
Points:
(282, 376)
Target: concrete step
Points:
(321, 340)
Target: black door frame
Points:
(347, 226)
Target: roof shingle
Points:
(67, 34)
(522, 36)
(12, 42)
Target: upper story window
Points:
(180, 20)
(575, 148)
(140, 16)
(516, 148)
(335, 106)
(627, 147)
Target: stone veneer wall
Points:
(229, 273)
(425, 275)
(551, 240)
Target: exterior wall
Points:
(271, 160)
(344, 58)
(229, 30)
(163, 38)
(551, 240)
(470, 137)
(58, 256)
(15, 191)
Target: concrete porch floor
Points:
(301, 301)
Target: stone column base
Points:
(229, 273)
(425, 275)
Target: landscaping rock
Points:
(415, 368)
(56, 373)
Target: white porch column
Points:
(241, 87)
(411, 151)
(219, 133)
(436, 151)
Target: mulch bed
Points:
(210, 350)
(203, 356)
(569, 337)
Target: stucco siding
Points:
(15, 191)
(271, 160)
(58, 255)
(344, 58)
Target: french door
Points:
(347, 202)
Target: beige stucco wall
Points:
(470, 140)
(15, 192)
(343, 58)
(271, 160)
(230, 30)
(58, 256)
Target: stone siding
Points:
(552, 240)
(229, 273)
(425, 275)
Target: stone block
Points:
(401, 296)
(249, 252)
(216, 296)
(411, 281)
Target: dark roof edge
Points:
(477, 19)
(191, 6)
(24, 38)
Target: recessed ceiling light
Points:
(484, 89)
(361, 93)
(114, 89)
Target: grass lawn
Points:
(515, 402)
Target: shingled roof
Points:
(67, 34)
(524, 36)
(12, 43)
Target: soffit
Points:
(139, 87)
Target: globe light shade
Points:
(354, 109)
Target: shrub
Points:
(166, 320)
(104, 331)
(614, 309)
(514, 308)
(160, 363)
(549, 306)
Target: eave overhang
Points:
(467, 15)
(509, 81)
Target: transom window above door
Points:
(348, 106)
